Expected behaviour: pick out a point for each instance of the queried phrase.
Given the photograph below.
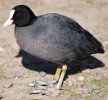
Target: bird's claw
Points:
(37, 83)
(41, 87)
(40, 83)
(43, 91)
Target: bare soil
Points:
(87, 80)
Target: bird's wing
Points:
(77, 38)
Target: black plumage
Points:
(53, 37)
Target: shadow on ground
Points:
(33, 63)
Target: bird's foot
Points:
(42, 87)
(42, 91)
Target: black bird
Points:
(52, 37)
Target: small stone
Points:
(69, 81)
(1, 49)
(81, 78)
(56, 93)
(19, 74)
(87, 89)
(42, 74)
(8, 84)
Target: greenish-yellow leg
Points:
(64, 69)
(57, 73)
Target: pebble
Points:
(87, 89)
(81, 78)
(19, 74)
(42, 74)
(56, 93)
(8, 84)
(1, 49)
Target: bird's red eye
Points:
(18, 14)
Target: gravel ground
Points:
(87, 80)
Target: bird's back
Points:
(57, 38)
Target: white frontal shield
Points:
(9, 21)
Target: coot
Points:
(52, 37)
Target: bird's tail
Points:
(101, 49)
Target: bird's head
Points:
(20, 15)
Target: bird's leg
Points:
(41, 86)
(40, 83)
(57, 78)
(57, 74)
(64, 69)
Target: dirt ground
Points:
(87, 80)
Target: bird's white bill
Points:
(9, 21)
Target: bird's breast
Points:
(40, 47)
